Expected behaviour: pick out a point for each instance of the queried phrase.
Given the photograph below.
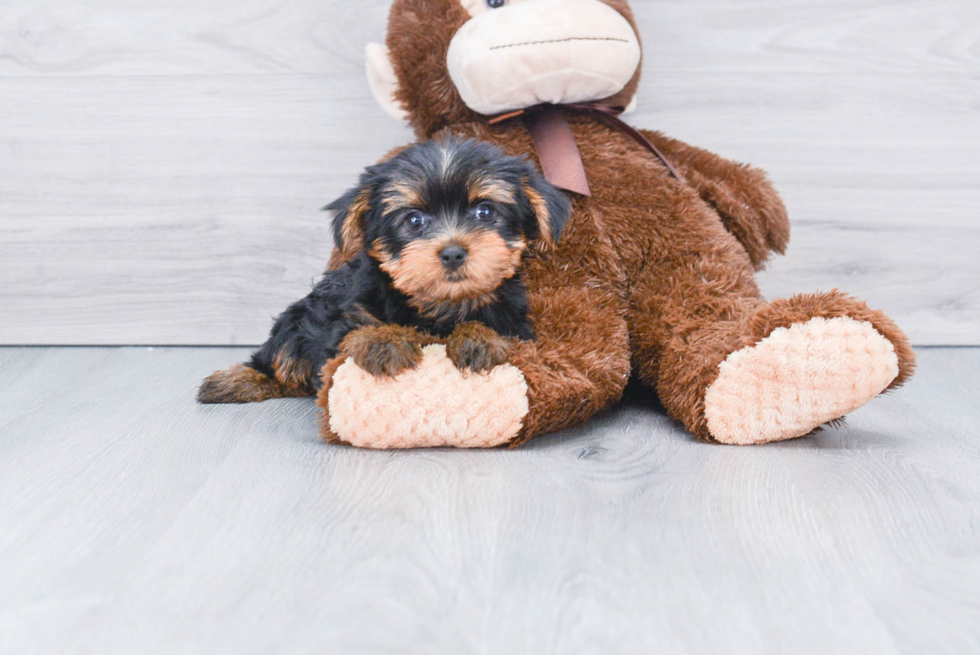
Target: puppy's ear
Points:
(549, 205)
(348, 226)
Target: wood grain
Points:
(187, 37)
(163, 163)
(135, 520)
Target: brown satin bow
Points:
(561, 161)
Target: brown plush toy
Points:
(653, 275)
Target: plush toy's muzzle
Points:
(542, 51)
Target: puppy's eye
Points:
(485, 213)
(496, 4)
(416, 221)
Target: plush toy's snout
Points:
(543, 51)
(526, 53)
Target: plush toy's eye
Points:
(416, 221)
(485, 213)
(496, 4)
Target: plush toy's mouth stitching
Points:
(571, 38)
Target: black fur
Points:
(360, 293)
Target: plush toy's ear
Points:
(381, 77)
(631, 107)
(550, 207)
(348, 228)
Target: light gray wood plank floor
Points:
(134, 521)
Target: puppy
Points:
(430, 250)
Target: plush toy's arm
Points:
(580, 361)
(743, 196)
(578, 365)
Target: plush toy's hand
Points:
(384, 351)
(743, 196)
(477, 348)
(433, 404)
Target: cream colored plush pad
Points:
(432, 405)
(797, 379)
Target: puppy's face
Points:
(449, 221)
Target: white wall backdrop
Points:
(162, 163)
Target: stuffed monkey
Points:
(653, 275)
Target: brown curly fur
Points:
(323, 398)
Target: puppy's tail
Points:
(239, 384)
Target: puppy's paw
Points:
(239, 384)
(384, 351)
(475, 347)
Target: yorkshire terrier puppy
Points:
(430, 250)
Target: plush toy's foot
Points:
(433, 404)
(798, 378)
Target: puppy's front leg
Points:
(475, 347)
(386, 350)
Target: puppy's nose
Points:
(453, 256)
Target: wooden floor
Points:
(134, 521)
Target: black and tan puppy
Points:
(431, 243)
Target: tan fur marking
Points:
(352, 233)
(400, 196)
(485, 189)
(540, 208)
(419, 274)
(292, 373)
(241, 384)
(379, 253)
